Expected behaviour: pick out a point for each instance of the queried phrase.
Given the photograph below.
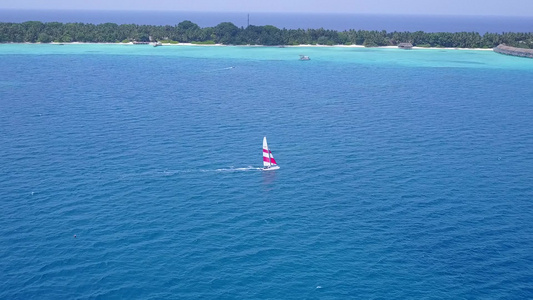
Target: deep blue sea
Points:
(427, 23)
(131, 172)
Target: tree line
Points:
(229, 34)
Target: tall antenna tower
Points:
(248, 20)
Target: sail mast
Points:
(269, 157)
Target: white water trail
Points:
(232, 169)
(158, 173)
(221, 69)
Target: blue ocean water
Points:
(427, 23)
(130, 172)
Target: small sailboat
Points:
(269, 163)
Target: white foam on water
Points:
(232, 169)
(174, 172)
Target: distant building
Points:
(405, 46)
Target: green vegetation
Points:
(204, 43)
(229, 34)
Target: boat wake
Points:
(221, 69)
(249, 168)
(269, 163)
(160, 173)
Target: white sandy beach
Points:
(326, 46)
(287, 46)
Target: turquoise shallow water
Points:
(404, 174)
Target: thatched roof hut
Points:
(405, 46)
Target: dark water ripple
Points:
(396, 181)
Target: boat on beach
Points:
(269, 163)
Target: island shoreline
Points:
(258, 46)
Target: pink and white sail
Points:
(269, 162)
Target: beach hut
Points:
(405, 46)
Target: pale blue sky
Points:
(433, 7)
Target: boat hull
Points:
(272, 168)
